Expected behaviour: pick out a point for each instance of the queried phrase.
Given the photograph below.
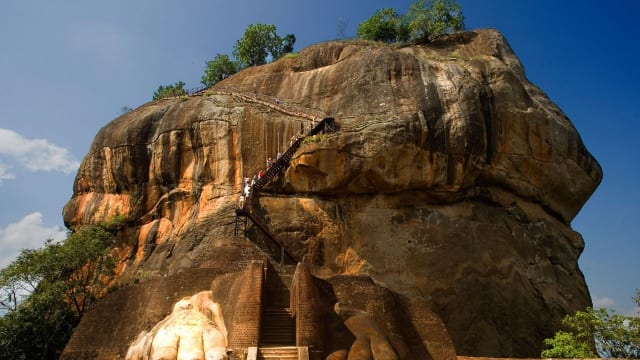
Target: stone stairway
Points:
(278, 353)
(277, 325)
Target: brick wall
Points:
(309, 327)
(246, 319)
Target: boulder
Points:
(450, 178)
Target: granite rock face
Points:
(451, 178)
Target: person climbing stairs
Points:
(325, 125)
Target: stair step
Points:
(275, 353)
(278, 326)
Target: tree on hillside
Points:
(385, 25)
(287, 44)
(176, 89)
(219, 69)
(259, 42)
(595, 333)
(45, 292)
(434, 18)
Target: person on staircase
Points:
(247, 188)
(241, 202)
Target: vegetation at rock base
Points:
(424, 21)
(176, 89)
(595, 333)
(45, 292)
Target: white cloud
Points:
(28, 233)
(603, 302)
(4, 175)
(35, 154)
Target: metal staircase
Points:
(243, 215)
(325, 125)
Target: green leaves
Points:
(219, 69)
(384, 25)
(424, 21)
(176, 89)
(596, 332)
(566, 345)
(44, 292)
(260, 41)
(442, 17)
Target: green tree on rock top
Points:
(425, 20)
(259, 42)
(430, 19)
(385, 25)
(176, 89)
(219, 69)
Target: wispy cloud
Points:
(27, 233)
(34, 154)
(4, 174)
(603, 302)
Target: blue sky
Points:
(67, 70)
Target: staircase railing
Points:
(325, 125)
(284, 253)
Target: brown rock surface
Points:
(451, 179)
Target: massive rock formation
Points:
(451, 179)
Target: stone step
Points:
(280, 352)
(277, 298)
(278, 327)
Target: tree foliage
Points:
(425, 20)
(434, 18)
(259, 42)
(219, 69)
(45, 292)
(385, 25)
(566, 345)
(287, 45)
(594, 333)
(176, 89)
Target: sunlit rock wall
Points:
(451, 178)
